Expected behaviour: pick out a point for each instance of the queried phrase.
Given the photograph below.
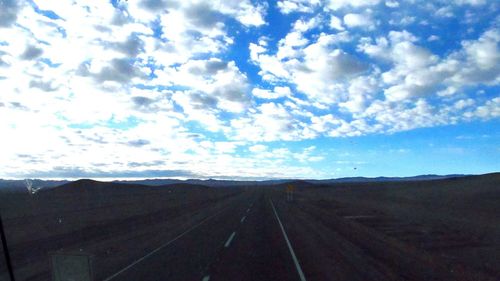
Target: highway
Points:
(259, 235)
(243, 241)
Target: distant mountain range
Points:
(207, 182)
(388, 179)
(19, 185)
(224, 183)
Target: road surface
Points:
(243, 241)
(259, 235)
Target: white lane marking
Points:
(243, 219)
(163, 246)
(295, 260)
(206, 278)
(228, 242)
(248, 210)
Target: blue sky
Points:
(248, 89)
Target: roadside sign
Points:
(71, 267)
(289, 192)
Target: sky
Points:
(248, 89)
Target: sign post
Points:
(289, 192)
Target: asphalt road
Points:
(262, 236)
(243, 241)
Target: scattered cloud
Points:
(8, 12)
(340, 4)
(161, 87)
(336, 23)
(304, 6)
(358, 20)
(278, 92)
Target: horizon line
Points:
(110, 179)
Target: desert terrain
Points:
(445, 229)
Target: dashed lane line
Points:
(162, 246)
(228, 242)
(295, 260)
(243, 219)
(206, 278)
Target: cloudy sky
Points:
(248, 88)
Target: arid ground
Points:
(444, 229)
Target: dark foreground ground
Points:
(426, 230)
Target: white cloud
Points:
(484, 52)
(289, 46)
(321, 71)
(490, 110)
(361, 92)
(415, 72)
(248, 14)
(272, 69)
(278, 92)
(257, 148)
(201, 13)
(270, 122)
(303, 25)
(404, 21)
(336, 23)
(324, 66)
(307, 155)
(290, 6)
(433, 38)
(444, 12)
(339, 4)
(213, 84)
(8, 12)
(358, 20)
(392, 4)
